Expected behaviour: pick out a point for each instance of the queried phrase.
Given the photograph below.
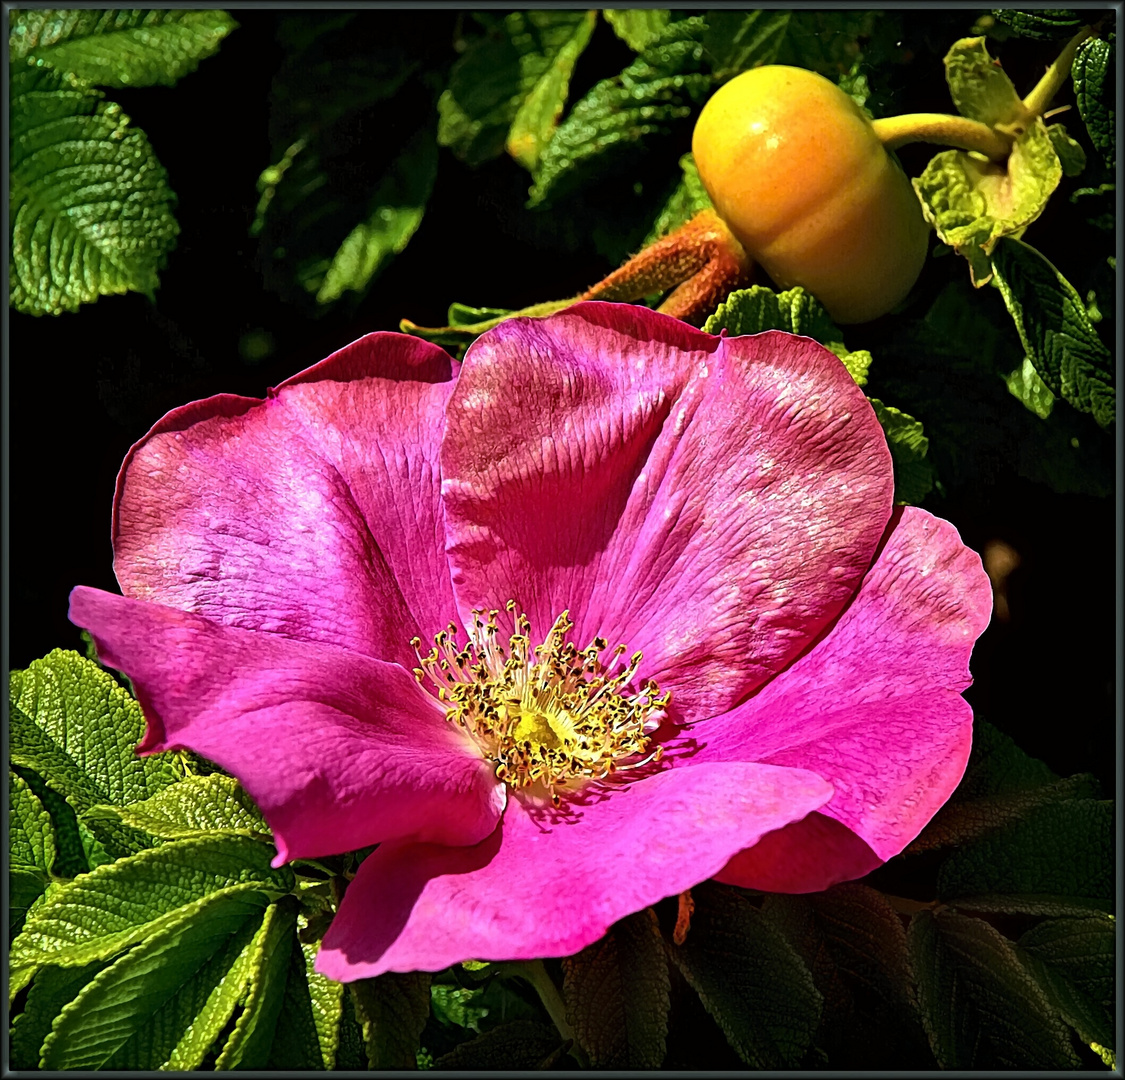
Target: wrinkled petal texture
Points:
(339, 750)
(710, 502)
(875, 706)
(314, 514)
(547, 886)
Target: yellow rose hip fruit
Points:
(795, 169)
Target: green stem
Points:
(535, 973)
(943, 129)
(1037, 101)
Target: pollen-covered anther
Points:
(552, 715)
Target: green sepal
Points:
(70, 244)
(980, 1006)
(392, 1010)
(978, 85)
(114, 47)
(119, 1006)
(616, 994)
(1093, 72)
(1055, 330)
(749, 978)
(1056, 860)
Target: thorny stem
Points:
(535, 973)
(1056, 75)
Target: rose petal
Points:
(314, 515)
(804, 856)
(875, 707)
(339, 750)
(548, 886)
(710, 502)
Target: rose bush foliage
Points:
(723, 506)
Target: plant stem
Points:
(535, 973)
(945, 130)
(1051, 83)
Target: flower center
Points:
(549, 715)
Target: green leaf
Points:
(979, 86)
(398, 204)
(118, 47)
(521, 1044)
(1042, 24)
(1072, 157)
(119, 1006)
(71, 844)
(749, 978)
(509, 88)
(392, 1010)
(738, 40)
(1093, 71)
(309, 1028)
(459, 1006)
(121, 904)
(651, 97)
(1074, 962)
(1025, 386)
(638, 27)
(829, 41)
(52, 989)
(980, 1007)
(1057, 860)
(212, 803)
(267, 967)
(914, 479)
(90, 209)
(687, 200)
(31, 849)
(854, 944)
(1056, 330)
(616, 993)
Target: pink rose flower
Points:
(729, 655)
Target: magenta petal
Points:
(809, 855)
(710, 502)
(544, 887)
(338, 749)
(875, 707)
(314, 515)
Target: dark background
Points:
(85, 386)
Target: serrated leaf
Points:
(1043, 24)
(1074, 962)
(1058, 859)
(302, 1040)
(914, 479)
(90, 209)
(459, 1006)
(122, 903)
(212, 803)
(827, 41)
(115, 47)
(398, 204)
(687, 200)
(249, 1044)
(53, 988)
(854, 944)
(350, 1054)
(521, 1044)
(1055, 330)
(638, 27)
(392, 1010)
(31, 837)
(980, 1008)
(542, 108)
(120, 1004)
(616, 993)
(1093, 70)
(651, 97)
(749, 978)
(1072, 157)
(70, 854)
(511, 84)
(738, 40)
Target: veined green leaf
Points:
(616, 993)
(520, 1044)
(980, 1007)
(90, 207)
(122, 903)
(72, 848)
(118, 47)
(914, 479)
(509, 88)
(1025, 386)
(119, 1006)
(1073, 961)
(392, 1010)
(638, 27)
(31, 849)
(661, 88)
(749, 978)
(308, 1029)
(1056, 330)
(738, 40)
(688, 199)
(1041, 24)
(52, 989)
(1093, 87)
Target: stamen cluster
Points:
(549, 715)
